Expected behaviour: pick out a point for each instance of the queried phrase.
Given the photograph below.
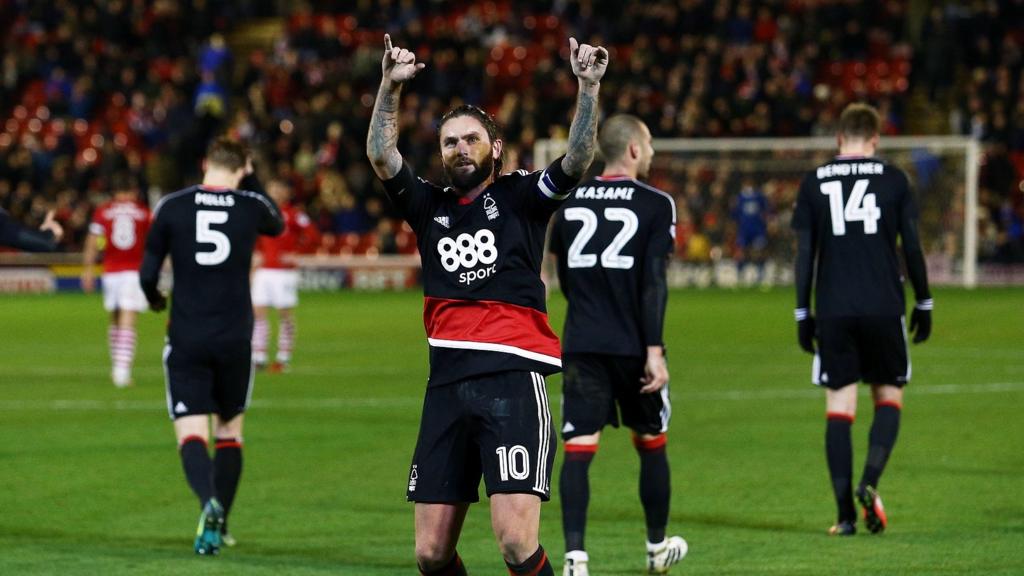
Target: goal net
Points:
(717, 239)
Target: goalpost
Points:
(705, 175)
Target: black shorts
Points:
(497, 425)
(214, 379)
(593, 385)
(868, 348)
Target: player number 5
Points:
(206, 235)
(860, 207)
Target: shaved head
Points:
(625, 140)
(616, 134)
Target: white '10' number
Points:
(860, 207)
(514, 462)
(467, 250)
(206, 235)
(610, 257)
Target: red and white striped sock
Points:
(124, 355)
(112, 331)
(260, 331)
(285, 339)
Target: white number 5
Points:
(206, 235)
(860, 207)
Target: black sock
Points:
(227, 469)
(574, 488)
(839, 453)
(655, 487)
(884, 430)
(198, 467)
(536, 565)
(454, 567)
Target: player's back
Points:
(210, 235)
(854, 206)
(124, 224)
(604, 237)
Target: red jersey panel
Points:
(124, 225)
(300, 235)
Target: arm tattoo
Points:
(382, 138)
(582, 135)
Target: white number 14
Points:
(860, 207)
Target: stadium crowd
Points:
(91, 89)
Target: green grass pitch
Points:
(90, 482)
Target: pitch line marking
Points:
(338, 403)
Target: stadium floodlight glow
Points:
(943, 171)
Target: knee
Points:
(517, 543)
(431, 553)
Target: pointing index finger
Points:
(387, 42)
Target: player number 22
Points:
(206, 235)
(610, 257)
(860, 207)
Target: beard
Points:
(468, 180)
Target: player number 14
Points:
(860, 207)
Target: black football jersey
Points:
(484, 303)
(210, 235)
(604, 237)
(855, 208)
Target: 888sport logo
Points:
(467, 251)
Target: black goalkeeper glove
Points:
(805, 329)
(921, 321)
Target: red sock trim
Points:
(839, 416)
(227, 443)
(193, 438)
(591, 448)
(536, 569)
(890, 403)
(651, 445)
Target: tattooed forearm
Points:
(382, 138)
(582, 134)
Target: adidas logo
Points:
(442, 220)
(180, 408)
(568, 428)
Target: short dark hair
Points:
(227, 153)
(490, 125)
(616, 133)
(860, 120)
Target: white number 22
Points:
(206, 235)
(610, 257)
(860, 207)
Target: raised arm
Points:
(17, 236)
(589, 64)
(398, 66)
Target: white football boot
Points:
(661, 556)
(576, 564)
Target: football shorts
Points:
(208, 379)
(597, 387)
(498, 426)
(868, 348)
(122, 291)
(275, 288)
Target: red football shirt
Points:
(124, 225)
(300, 235)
